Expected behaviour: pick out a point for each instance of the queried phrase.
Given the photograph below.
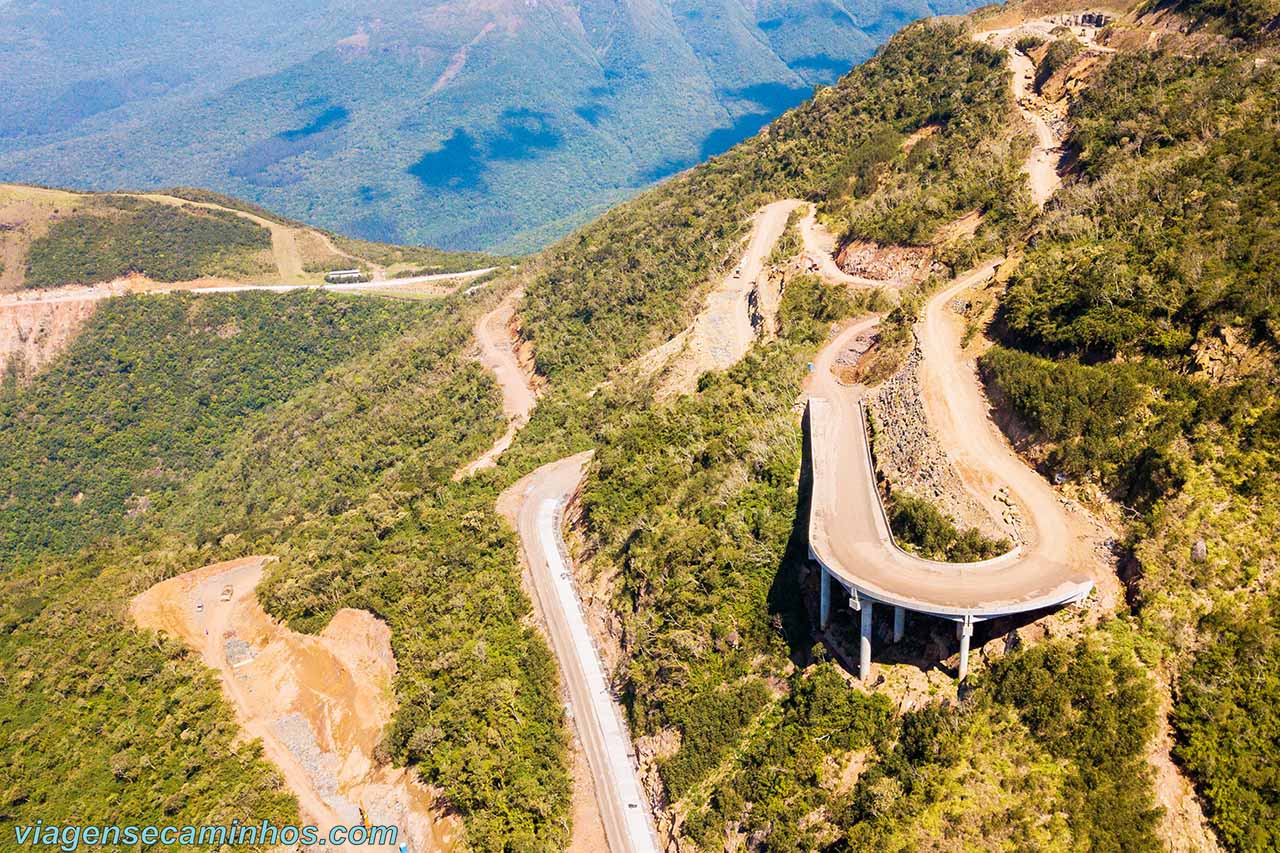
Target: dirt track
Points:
(498, 355)
(819, 247)
(1042, 164)
(317, 703)
(958, 410)
(722, 332)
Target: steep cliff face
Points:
(34, 332)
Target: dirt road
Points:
(352, 287)
(722, 332)
(1046, 155)
(497, 353)
(1042, 164)
(958, 410)
(122, 287)
(819, 248)
(533, 506)
(318, 704)
(37, 325)
(284, 243)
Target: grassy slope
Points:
(64, 238)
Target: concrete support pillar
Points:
(824, 599)
(864, 644)
(899, 623)
(966, 632)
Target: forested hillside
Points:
(54, 238)
(1141, 335)
(1136, 337)
(693, 506)
(500, 125)
(329, 452)
(1138, 341)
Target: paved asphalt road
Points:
(535, 503)
(849, 531)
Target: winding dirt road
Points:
(722, 332)
(819, 249)
(497, 353)
(1041, 166)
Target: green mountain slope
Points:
(52, 238)
(1136, 338)
(1141, 335)
(495, 125)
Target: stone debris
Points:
(910, 457)
(886, 263)
(321, 767)
(853, 355)
(237, 650)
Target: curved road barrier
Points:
(849, 534)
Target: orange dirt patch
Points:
(319, 704)
(32, 334)
(920, 135)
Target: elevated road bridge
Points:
(849, 533)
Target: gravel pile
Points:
(321, 767)
(908, 454)
(237, 650)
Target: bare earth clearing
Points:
(319, 704)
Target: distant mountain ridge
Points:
(495, 124)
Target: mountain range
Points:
(495, 125)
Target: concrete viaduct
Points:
(849, 534)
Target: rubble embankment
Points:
(909, 456)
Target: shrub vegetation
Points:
(161, 241)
